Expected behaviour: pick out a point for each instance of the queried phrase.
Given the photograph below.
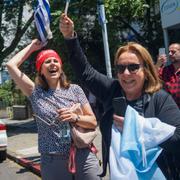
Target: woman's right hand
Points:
(36, 45)
(118, 121)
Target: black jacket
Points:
(160, 104)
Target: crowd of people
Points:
(137, 80)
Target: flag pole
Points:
(101, 13)
(66, 7)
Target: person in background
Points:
(170, 74)
(51, 97)
(137, 80)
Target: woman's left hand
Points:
(118, 121)
(66, 114)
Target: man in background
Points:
(170, 74)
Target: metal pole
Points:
(166, 44)
(101, 12)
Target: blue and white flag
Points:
(134, 151)
(42, 20)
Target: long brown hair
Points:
(41, 81)
(152, 82)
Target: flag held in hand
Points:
(42, 20)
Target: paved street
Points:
(11, 170)
(22, 144)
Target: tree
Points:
(13, 25)
(140, 18)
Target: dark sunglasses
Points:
(132, 68)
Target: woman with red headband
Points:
(51, 97)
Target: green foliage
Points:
(127, 8)
(10, 95)
(14, 26)
(140, 18)
(6, 95)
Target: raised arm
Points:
(98, 83)
(22, 80)
(66, 26)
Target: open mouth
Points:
(128, 81)
(53, 71)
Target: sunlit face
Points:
(51, 69)
(174, 53)
(132, 82)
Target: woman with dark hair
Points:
(137, 81)
(52, 97)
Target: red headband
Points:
(45, 54)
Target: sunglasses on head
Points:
(132, 68)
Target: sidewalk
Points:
(22, 144)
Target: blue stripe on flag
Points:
(39, 26)
(42, 20)
(41, 23)
(47, 6)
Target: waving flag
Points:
(42, 20)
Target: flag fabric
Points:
(42, 20)
(134, 151)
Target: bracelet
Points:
(77, 118)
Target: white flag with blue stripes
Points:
(42, 20)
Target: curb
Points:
(33, 167)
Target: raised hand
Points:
(66, 26)
(36, 45)
(161, 61)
